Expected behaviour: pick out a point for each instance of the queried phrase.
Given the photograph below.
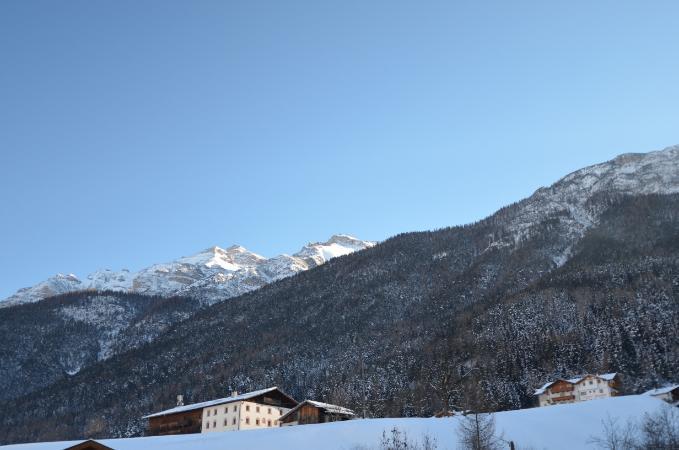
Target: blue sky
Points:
(134, 132)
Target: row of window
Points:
(258, 422)
(247, 408)
(262, 422)
(593, 391)
(226, 410)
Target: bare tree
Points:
(615, 436)
(659, 431)
(445, 379)
(477, 432)
(399, 440)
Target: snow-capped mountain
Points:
(571, 197)
(211, 275)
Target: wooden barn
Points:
(179, 422)
(310, 411)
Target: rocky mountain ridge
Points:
(211, 275)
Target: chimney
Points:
(180, 400)
(234, 393)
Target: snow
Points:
(662, 390)
(560, 427)
(211, 275)
(542, 389)
(630, 174)
(332, 409)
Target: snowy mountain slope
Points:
(540, 428)
(570, 198)
(211, 275)
(58, 284)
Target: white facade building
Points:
(252, 410)
(241, 415)
(579, 389)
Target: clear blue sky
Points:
(134, 132)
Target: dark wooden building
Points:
(310, 411)
(180, 422)
(89, 445)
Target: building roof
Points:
(219, 401)
(576, 380)
(327, 407)
(662, 390)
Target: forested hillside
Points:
(379, 329)
(43, 342)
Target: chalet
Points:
(670, 394)
(258, 409)
(310, 411)
(579, 389)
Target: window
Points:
(257, 408)
(235, 408)
(601, 391)
(226, 409)
(225, 422)
(256, 421)
(247, 420)
(233, 422)
(247, 407)
(214, 424)
(207, 425)
(269, 411)
(215, 411)
(268, 423)
(208, 413)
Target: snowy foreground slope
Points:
(555, 427)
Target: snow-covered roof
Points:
(219, 401)
(576, 380)
(327, 407)
(662, 390)
(543, 388)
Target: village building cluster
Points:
(265, 408)
(272, 408)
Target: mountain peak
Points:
(212, 274)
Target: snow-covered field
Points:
(566, 427)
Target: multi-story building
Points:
(579, 389)
(252, 410)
